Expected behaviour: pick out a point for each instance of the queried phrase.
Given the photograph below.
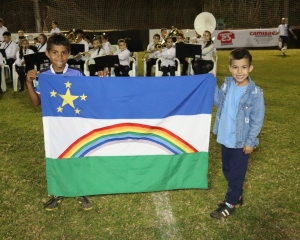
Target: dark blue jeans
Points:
(234, 166)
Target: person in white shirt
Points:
(124, 58)
(205, 64)
(168, 58)
(154, 54)
(106, 44)
(54, 29)
(22, 69)
(42, 46)
(79, 39)
(88, 40)
(197, 40)
(283, 31)
(10, 48)
(96, 51)
(2, 29)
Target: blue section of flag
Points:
(126, 98)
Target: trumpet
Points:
(156, 47)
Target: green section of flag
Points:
(126, 174)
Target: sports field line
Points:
(166, 220)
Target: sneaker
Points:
(222, 212)
(53, 203)
(240, 202)
(85, 203)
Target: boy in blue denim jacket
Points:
(239, 120)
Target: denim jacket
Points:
(250, 114)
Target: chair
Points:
(220, 24)
(159, 73)
(4, 67)
(133, 71)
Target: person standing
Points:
(283, 31)
(2, 29)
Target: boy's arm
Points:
(256, 120)
(216, 96)
(292, 32)
(35, 98)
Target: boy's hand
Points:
(103, 73)
(31, 75)
(247, 149)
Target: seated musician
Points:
(88, 40)
(205, 64)
(154, 54)
(168, 58)
(197, 40)
(96, 51)
(106, 44)
(21, 68)
(163, 33)
(182, 60)
(124, 58)
(79, 39)
(42, 46)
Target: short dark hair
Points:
(87, 37)
(156, 35)
(56, 23)
(240, 53)
(7, 33)
(80, 31)
(169, 38)
(104, 36)
(121, 40)
(58, 39)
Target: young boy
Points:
(106, 44)
(153, 54)
(238, 122)
(58, 51)
(168, 58)
(124, 58)
(54, 29)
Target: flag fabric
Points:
(124, 135)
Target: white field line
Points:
(166, 220)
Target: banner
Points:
(123, 135)
(235, 38)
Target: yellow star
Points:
(53, 94)
(77, 111)
(68, 84)
(59, 109)
(83, 97)
(68, 98)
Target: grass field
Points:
(271, 209)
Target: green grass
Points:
(271, 209)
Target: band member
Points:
(96, 51)
(36, 41)
(79, 39)
(182, 60)
(163, 33)
(124, 58)
(168, 58)
(54, 29)
(2, 29)
(205, 64)
(88, 40)
(21, 35)
(197, 40)
(154, 54)
(11, 49)
(42, 46)
(20, 62)
(106, 44)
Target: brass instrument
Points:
(156, 47)
(71, 36)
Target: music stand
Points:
(76, 48)
(134, 45)
(107, 61)
(30, 60)
(184, 50)
(33, 48)
(2, 51)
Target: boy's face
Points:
(240, 70)
(53, 25)
(58, 55)
(179, 38)
(122, 45)
(164, 33)
(6, 38)
(96, 44)
(79, 35)
(156, 40)
(169, 42)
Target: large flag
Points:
(123, 135)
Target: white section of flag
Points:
(61, 132)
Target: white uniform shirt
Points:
(2, 30)
(11, 49)
(107, 47)
(124, 56)
(41, 47)
(155, 54)
(207, 52)
(86, 45)
(199, 40)
(283, 30)
(168, 57)
(19, 60)
(94, 53)
(54, 30)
